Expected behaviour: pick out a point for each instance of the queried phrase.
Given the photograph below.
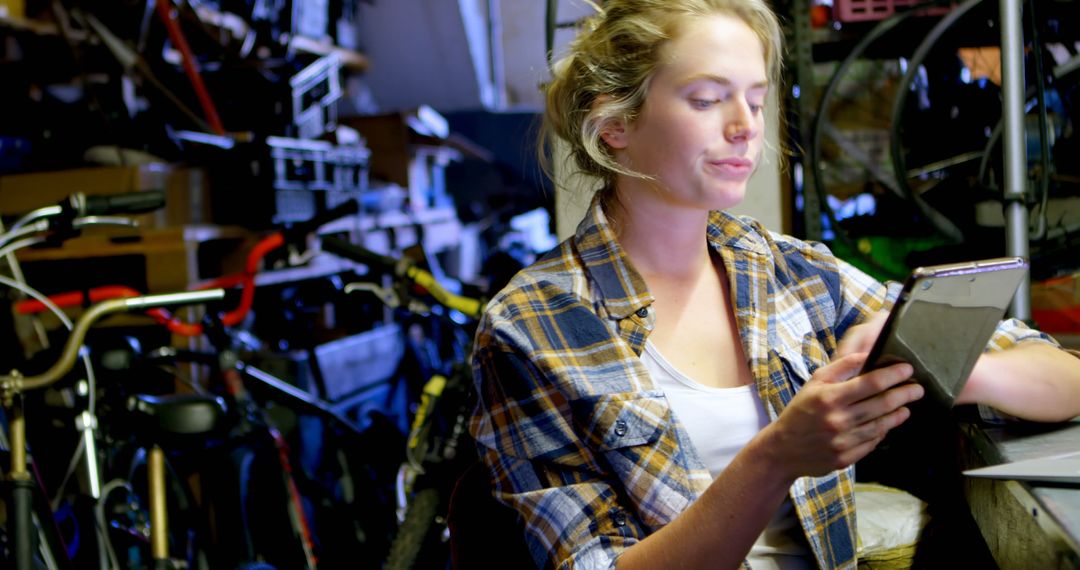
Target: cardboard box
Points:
(393, 137)
(187, 198)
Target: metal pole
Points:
(1014, 183)
(806, 105)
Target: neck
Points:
(663, 241)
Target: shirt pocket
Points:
(626, 419)
(633, 437)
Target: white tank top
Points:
(720, 422)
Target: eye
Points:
(756, 108)
(702, 104)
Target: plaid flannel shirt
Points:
(579, 439)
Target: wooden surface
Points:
(1025, 525)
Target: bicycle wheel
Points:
(1053, 65)
(418, 528)
(947, 82)
(958, 168)
(849, 145)
(939, 107)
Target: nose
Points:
(737, 131)
(739, 124)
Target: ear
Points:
(614, 133)
(613, 129)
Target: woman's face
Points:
(701, 128)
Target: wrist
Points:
(979, 388)
(764, 453)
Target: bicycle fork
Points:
(22, 490)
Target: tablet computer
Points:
(943, 319)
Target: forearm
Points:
(718, 530)
(1033, 380)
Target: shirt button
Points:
(643, 312)
(620, 428)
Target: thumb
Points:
(861, 337)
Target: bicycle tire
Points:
(818, 135)
(414, 531)
(940, 221)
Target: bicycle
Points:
(437, 450)
(14, 384)
(250, 419)
(50, 225)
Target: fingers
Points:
(841, 415)
(873, 431)
(859, 413)
(875, 382)
(857, 443)
(820, 447)
(846, 368)
(874, 395)
(841, 369)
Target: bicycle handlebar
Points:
(467, 305)
(407, 269)
(80, 206)
(87, 221)
(122, 204)
(13, 383)
(353, 252)
(246, 279)
(300, 229)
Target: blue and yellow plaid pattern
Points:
(580, 441)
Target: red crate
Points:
(1055, 304)
(867, 10)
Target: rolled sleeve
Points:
(1011, 332)
(573, 516)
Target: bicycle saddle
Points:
(179, 414)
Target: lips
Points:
(735, 166)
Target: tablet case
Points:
(944, 318)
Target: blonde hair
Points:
(606, 73)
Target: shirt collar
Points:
(729, 231)
(623, 290)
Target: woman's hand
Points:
(861, 337)
(839, 416)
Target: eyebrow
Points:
(721, 80)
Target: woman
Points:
(668, 388)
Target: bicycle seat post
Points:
(159, 517)
(177, 421)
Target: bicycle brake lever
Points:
(85, 221)
(389, 297)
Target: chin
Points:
(727, 197)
